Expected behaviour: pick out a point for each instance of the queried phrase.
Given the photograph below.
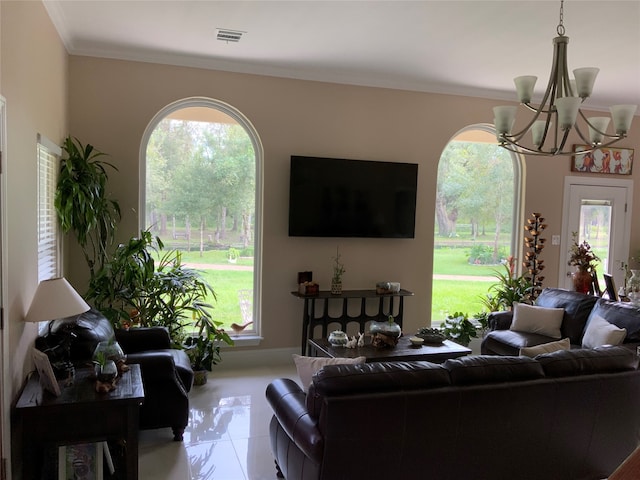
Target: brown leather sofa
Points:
(578, 309)
(566, 415)
(166, 372)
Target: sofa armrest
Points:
(288, 402)
(500, 320)
(141, 339)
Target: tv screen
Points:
(330, 197)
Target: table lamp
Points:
(56, 299)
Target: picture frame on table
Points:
(82, 461)
(611, 287)
(48, 379)
(607, 160)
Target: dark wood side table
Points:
(311, 319)
(78, 415)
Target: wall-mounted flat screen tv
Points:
(331, 197)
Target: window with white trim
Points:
(48, 232)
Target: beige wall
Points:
(34, 84)
(112, 102)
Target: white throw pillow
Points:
(600, 332)
(307, 366)
(564, 344)
(534, 319)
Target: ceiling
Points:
(471, 48)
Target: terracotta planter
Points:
(582, 281)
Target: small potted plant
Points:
(338, 271)
(203, 348)
(459, 329)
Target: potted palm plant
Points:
(82, 202)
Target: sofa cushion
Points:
(307, 366)
(481, 369)
(563, 344)
(622, 315)
(534, 319)
(508, 342)
(600, 332)
(577, 307)
(379, 377)
(564, 363)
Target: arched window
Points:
(478, 220)
(201, 193)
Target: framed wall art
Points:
(617, 161)
(82, 461)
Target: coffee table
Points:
(403, 352)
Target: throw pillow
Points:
(307, 366)
(600, 332)
(534, 319)
(563, 344)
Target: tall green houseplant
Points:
(82, 202)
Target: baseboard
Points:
(268, 357)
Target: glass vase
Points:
(111, 351)
(633, 287)
(582, 281)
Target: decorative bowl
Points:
(430, 335)
(416, 341)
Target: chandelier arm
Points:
(582, 136)
(517, 148)
(537, 109)
(592, 148)
(559, 149)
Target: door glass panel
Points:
(595, 229)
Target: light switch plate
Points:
(555, 239)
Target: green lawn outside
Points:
(449, 296)
(454, 261)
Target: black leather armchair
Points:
(166, 372)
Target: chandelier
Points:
(558, 111)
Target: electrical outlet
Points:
(555, 239)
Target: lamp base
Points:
(64, 370)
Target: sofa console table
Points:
(79, 415)
(311, 319)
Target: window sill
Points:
(245, 340)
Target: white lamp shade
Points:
(524, 87)
(585, 78)
(505, 117)
(567, 111)
(55, 299)
(537, 131)
(597, 125)
(622, 117)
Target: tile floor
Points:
(228, 433)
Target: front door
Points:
(599, 210)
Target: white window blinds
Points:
(48, 234)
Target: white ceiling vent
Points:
(226, 35)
